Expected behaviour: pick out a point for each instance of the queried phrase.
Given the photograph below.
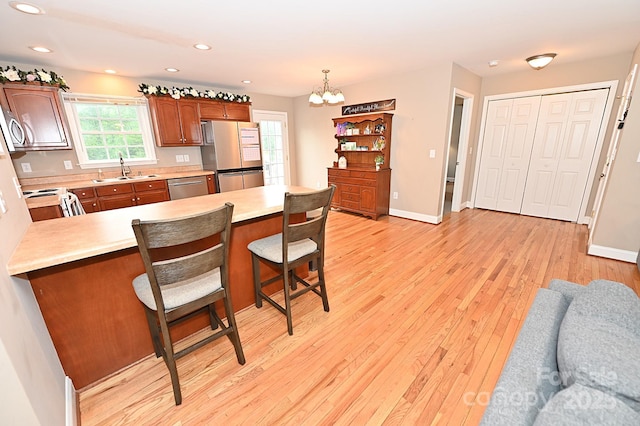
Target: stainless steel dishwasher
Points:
(187, 187)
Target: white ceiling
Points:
(282, 45)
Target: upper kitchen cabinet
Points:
(218, 110)
(39, 111)
(175, 122)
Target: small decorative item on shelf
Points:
(380, 128)
(378, 144)
(341, 129)
(379, 161)
(342, 162)
(367, 130)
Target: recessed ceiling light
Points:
(246, 81)
(171, 69)
(201, 46)
(110, 71)
(26, 8)
(40, 49)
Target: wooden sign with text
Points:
(369, 107)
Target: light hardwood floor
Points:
(422, 320)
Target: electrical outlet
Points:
(318, 184)
(26, 167)
(432, 153)
(186, 158)
(395, 195)
(179, 158)
(68, 165)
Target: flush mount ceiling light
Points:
(111, 71)
(201, 46)
(171, 69)
(538, 62)
(26, 8)
(325, 93)
(41, 49)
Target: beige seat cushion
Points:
(180, 293)
(270, 248)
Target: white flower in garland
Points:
(152, 90)
(44, 76)
(11, 75)
(211, 94)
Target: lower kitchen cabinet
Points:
(109, 197)
(45, 213)
(154, 191)
(211, 184)
(88, 199)
(361, 191)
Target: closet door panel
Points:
(506, 151)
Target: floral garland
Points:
(190, 92)
(40, 76)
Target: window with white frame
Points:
(107, 127)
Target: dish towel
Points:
(71, 205)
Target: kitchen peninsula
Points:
(81, 268)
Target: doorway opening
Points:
(453, 184)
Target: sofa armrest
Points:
(530, 376)
(568, 289)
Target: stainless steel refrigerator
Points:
(232, 149)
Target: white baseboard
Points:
(612, 253)
(70, 406)
(414, 216)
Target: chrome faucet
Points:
(125, 170)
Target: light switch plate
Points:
(179, 158)
(432, 153)
(186, 158)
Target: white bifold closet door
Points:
(563, 148)
(508, 140)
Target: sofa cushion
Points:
(530, 375)
(582, 405)
(599, 341)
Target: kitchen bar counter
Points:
(81, 268)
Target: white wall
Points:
(31, 376)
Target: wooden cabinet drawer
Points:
(85, 193)
(350, 204)
(362, 174)
(151, 185)
(105, 191)
(351, 188)
(348, 196)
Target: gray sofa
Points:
(575, 361)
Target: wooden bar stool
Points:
(299, 243)
(186, 262)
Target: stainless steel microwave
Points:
(12, 130)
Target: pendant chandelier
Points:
(326, 94)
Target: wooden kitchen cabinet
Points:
(211, 184)
(176, 122)
(219, 110)
(39, 111)
(88, 199)
(45, 213)
(362, 187)
(115, 196)
(148, 192)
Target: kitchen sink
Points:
(123, 178)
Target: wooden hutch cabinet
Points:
(175, 122)
(39, 111)
(363, 185)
